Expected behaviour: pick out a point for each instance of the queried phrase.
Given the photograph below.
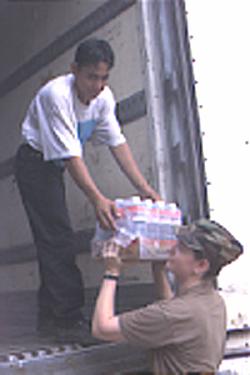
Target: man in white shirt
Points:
(66, 113)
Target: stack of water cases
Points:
(153, 223)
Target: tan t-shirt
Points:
(185, 333)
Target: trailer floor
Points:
(21, 345)
(18, 324)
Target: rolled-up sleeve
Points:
(58, 133)
(144, 327)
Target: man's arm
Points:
(105, 208)
(125, 160)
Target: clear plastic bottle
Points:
(126, 231)
(164, 221)
(122, 234)
(121, 206)
(140, 217)
(153, 224)
(101, 235)
(175, 218)
(133, 210)
(147, 227)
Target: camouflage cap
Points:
(212, 239)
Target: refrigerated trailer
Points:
(154, 87)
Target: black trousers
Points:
(41, 185)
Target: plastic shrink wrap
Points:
(145, 229)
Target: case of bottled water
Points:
(152, 223)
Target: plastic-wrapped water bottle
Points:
(124, 231)
(163, 222)
(138, 216)
(121, 206)
(101, 235)
(133, 216)
(175, 218)
(153, 224)
(147, 228)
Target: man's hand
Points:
(148, 192)
(104, 208)
(106, 212)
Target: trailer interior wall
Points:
(33, 25)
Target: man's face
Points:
(90, 80)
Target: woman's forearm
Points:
(162, 284)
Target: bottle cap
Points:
(135, 199)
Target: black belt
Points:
(32, 151)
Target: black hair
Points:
(93, 51)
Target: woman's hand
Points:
(159, 266)
(112, 260)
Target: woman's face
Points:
(182, 262)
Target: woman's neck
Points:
(187, 284)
